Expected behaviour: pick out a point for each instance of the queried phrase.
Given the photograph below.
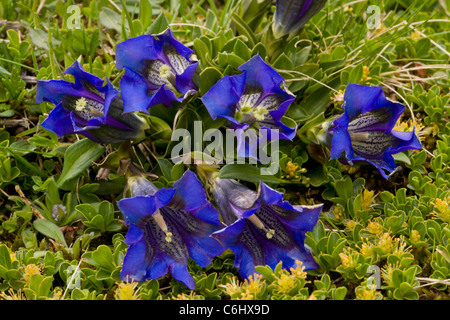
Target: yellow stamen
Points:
(359, 136)
(165, 71)
(259, 224)
(162, 224)
(259, 113)
(81, 103)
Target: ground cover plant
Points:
(118, 181)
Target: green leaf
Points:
(209, 77)
(159, 25)
(110, 19)
(103, 257)
(145, 13)
(77, 158)
(50, 230)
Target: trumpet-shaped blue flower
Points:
(166, 227)
(87, 107)
(253, 98)
(262, 228)
(365, 131)
(158, 70)
(291, 15)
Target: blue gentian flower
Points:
(166, 227)
(158, 70)
(262, 228)
(365, 131)
(253, 98)
(88, 107)
(291, 15)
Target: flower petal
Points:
(134, 53)
(59, 121)
(136, 261)
(221, 99)
(199, 206)
(341, 142)
(361, 99)
(258, 74)
(138, 210)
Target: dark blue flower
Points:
(262, 228)
(365, 131)
(254, 98)
(291, 15)
(87, 107)
(166, 227)
(158, 70)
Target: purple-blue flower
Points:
(365, 131)
(263, 229)
(158, 70)
(291, 15)
(254, 98)
(166, 228)
(87, 107)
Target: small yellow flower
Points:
(338, 212)
(29, 271)
(441, 209)
(381, 29)
(415, 34)
(350, 224)
(347, 259)
(363, 292)
(366, 72)
(338, 97)
(12, 295)
(415, 236)
(374, 227)
(126, 291)
(386, 243)
(367, 197)
(367, 250)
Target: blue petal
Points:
(361, 99)
(138, 210)
(222, 98)
(59, 121)
(187, 186)
(230, 235)
(134, 52)
(408, 141)
(167, 36)
(268, 195)
(179, 272)
(260, 74)
(233, 199)
(54, 91)
(135, 92)
(341, 142)
(82, 76)
(136, 262)
(184, 81)
(306, 219)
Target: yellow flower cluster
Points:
(364, 292)
(442, 209)
(29, 271)
(248, 290)
(126, 291)
(292, 171)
